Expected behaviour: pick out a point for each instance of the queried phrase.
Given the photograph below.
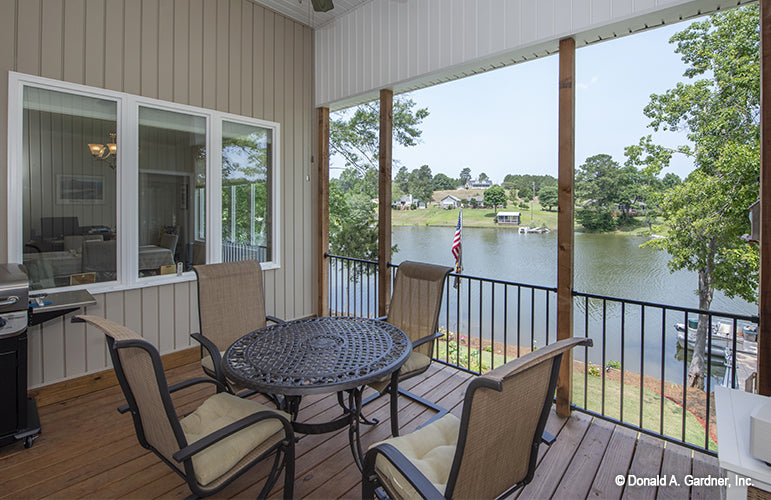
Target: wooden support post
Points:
(565, 229)
(323, 211)
(384, 198)
(764, 330)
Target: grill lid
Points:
(14, 288)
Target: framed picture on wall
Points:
(79, 189)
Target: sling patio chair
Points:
(490, 451)
(415, 305)
(210, 447)
(231, 304)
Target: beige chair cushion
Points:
(431, 449)
(416, 362)
(215, 413)
(207, 364)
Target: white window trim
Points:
(127, 194)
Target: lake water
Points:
(605, 264)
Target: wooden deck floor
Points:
(88, 450)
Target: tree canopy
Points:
(547, 196)
(719, 109)
(495, 196)
(354, 136)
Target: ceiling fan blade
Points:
(322, 5)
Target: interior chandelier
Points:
(107, 152)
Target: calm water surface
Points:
(605, 264)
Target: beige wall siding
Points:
(228, 55)
(410, 45)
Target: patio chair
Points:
(414, 308)
(487, 453)
(231, 304)
(210, 447)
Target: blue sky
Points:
(505, 121)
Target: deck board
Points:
(88, 450)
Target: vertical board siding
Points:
(405, 45)
(229, 55)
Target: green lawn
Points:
(472, 217)
(485, 217)
(673, 413)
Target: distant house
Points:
(508, 218)
(477, 201)
(449, 201)
(477, 184)
(405, 202)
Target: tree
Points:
(465, 175)
(420, 184)
(402, 176)
(547, 196)
(354, 136)
(483, 177)
(719, 109)
(671, 180)
(495, 196)
(443, 182)
(604, 185)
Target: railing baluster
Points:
(642, 361)
(348, 275)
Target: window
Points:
(172, 163)
(68, 196)
(110, 188)
(246, 192)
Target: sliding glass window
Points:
(68, 164)
(172, 164)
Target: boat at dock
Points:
(722, 337)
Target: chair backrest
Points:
(230, 301)
(99, 255)
(504, 416)
(140, 373)
(417, 300)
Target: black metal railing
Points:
(636, 374)
(639, 366)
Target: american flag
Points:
(456, 248)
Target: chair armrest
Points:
(275, 319)
(220, 434)
(382, 318)
(414, 476)
(214, 353)
(427, 338)
(194, 381)
(182, 385)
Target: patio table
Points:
(316, 356)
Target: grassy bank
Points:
(472, 217)
(485, 217)
(621, 402)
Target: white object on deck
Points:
(733, 408)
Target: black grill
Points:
(18, 418)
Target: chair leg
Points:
(440, 411)
(394, 411)
(289, 472)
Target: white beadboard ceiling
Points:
(302, 11)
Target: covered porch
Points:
(88, 450)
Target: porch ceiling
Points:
(301, 10)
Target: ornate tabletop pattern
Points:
(316, 355)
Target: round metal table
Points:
(319, 355)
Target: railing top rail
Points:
(353, 259)
(689, 310)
